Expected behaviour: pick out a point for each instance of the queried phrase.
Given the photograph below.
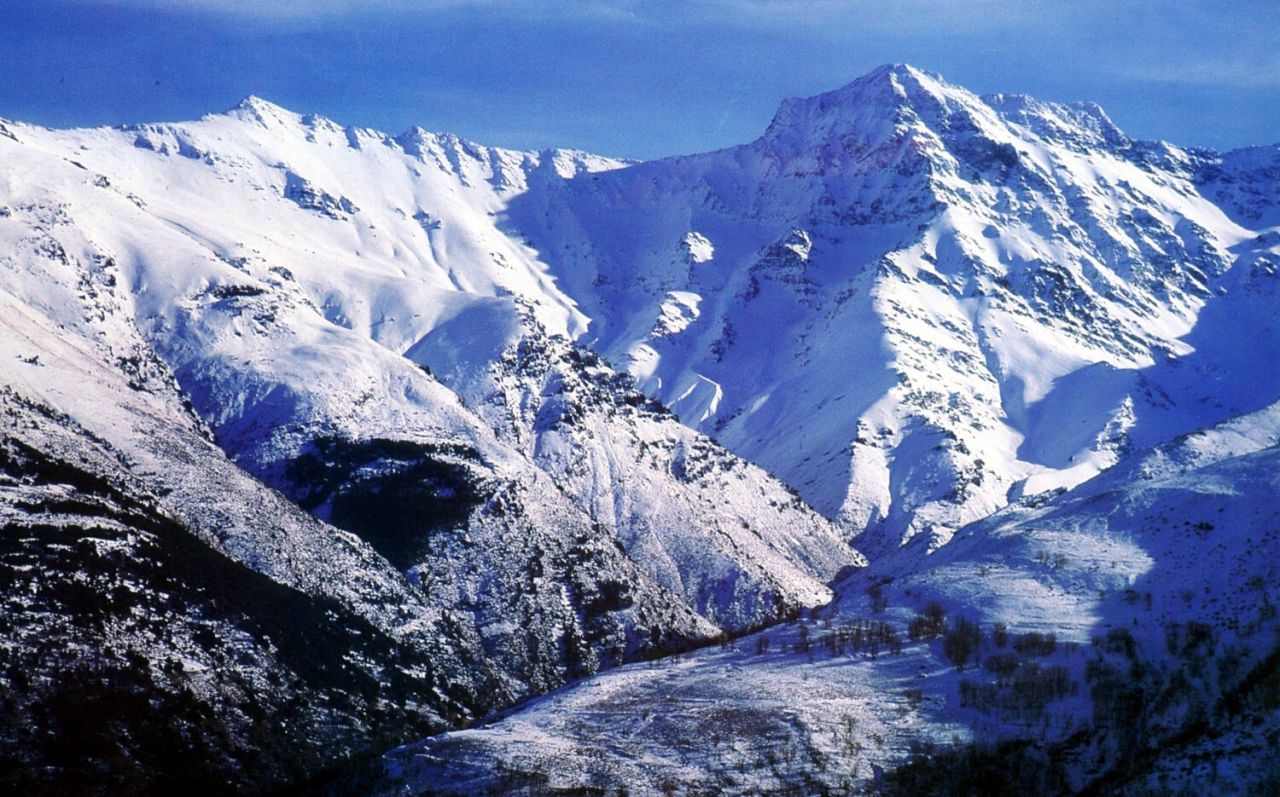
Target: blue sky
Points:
(635, 79)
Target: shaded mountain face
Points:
(139, 656)
(705, 524)
(143, 568)
(487, 421)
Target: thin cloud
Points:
(285, 10)
(919, 15)
(850, 16)
(1239, 73)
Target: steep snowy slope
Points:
(477, 582)
(1119, 638)
(742, 549)
(912, 303)
(1245, 183)
(282, 265)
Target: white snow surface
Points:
(946, 301)
(923, 307)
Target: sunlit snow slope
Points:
(914, 304)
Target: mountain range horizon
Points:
(887, 68)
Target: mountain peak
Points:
(872, 109)
(893, 99)
(253, 102)
(902, 74)
(887, 86)
(256, 109)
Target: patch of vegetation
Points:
(867, 637)
(1023, 694)
(1147, 714)
(928, 623)
(393, 493)
(961, 642)
(1036, 644)
(1011, 767)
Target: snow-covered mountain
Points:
(295, 274)
(689, 512)
(184, 299)
(905, 299)
(142, 567)
(1011, 296)
(488, 421)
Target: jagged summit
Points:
(887, 104)
(895, 101)
(897, 82)
(251, 102)
(260, 110)
(871, 108)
